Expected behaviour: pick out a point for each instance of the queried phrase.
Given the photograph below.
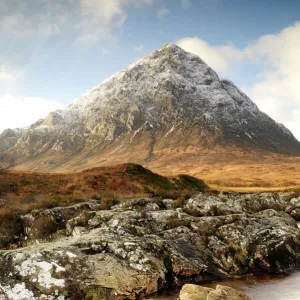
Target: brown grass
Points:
(229, 168)
(33, 189)
(22, 192)
(233, 169)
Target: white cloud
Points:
(185, 3)
(104, 10)
(9, 77)
(276, 90)
(22, 20)
(294, 127)
(20, 112)
(99, 16)
(86, 20)
(162, 12)
(21, 27)
(219, 58)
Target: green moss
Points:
(96, 293)
(91, 296)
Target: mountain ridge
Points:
(169, 100)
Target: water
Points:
(262, 287)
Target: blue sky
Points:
(52, 51)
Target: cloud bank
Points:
(95, 19)
(20, 112)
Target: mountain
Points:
(168, 109)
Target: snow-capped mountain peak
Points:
(170, 99)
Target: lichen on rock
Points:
(138, 247)
(195, 292)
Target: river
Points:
(260, 287)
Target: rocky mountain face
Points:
(168, 101)
(143, 246)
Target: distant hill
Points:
(22, 192)
(117, 182)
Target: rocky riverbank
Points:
(143, 246)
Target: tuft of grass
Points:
(109, 200)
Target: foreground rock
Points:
(142, 246)
(196, 292)
(46, 224)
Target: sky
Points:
(52, 51)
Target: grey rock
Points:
(129, 252)
(195, 292)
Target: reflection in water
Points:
(262, 287)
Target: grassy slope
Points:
(233, 169)
(21, 192)
(122, 181)
(228, 168)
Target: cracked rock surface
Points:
(143, 246)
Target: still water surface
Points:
(262, 287)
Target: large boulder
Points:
(46, 224)
(203, 205)
(196, 292)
